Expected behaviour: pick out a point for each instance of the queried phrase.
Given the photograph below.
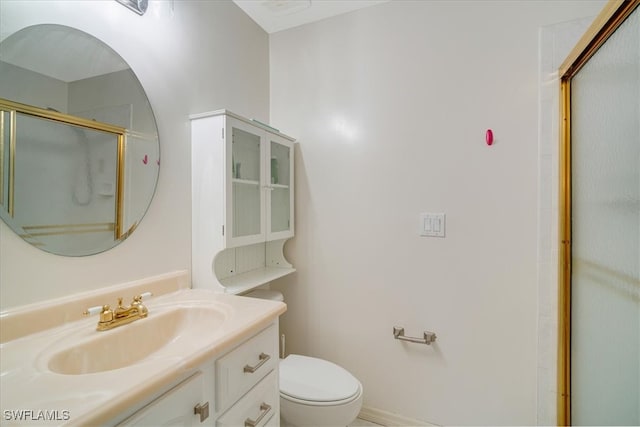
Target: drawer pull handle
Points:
(263, 359)
(203, 410)
(428, 337)
(264, 410)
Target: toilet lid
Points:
(317, 380)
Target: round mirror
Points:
(79, 147)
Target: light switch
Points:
(432, 224)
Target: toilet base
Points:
(297, 414)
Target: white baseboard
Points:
(389, 419)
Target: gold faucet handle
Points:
(105, 312)
(137, 303)
(138, 298)
(106, 315)
(98, 309)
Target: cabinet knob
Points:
(203, 410)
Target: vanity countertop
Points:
(28, 384)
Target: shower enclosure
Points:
(600, 295)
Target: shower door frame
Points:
(605, 24)
(120, 133)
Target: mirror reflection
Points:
(79, 150)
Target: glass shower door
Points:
(605, 233)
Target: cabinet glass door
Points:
(245, 178)
(281, 189)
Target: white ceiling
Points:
(278, 15)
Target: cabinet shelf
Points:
(254, 278)
(252, 182)
(279, 186)
(245, 181)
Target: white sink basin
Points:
(162, 332)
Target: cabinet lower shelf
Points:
(252, 279)
(245, 181)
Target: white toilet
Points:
(314, 392)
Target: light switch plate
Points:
(432, 224)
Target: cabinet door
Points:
(280, 188)
(174, 408)
(245, 195)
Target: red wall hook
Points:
(489, 137)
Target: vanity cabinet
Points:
(242, 201)
(239, 388)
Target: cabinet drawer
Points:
(259, 407)
(243, 367)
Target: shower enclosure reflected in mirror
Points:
(79, 149)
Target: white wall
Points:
(190, 56)
(390, 105)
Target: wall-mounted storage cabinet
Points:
(242, 196)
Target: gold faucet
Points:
(122, 315)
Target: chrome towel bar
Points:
(428, 337)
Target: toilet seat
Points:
(317, 382)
